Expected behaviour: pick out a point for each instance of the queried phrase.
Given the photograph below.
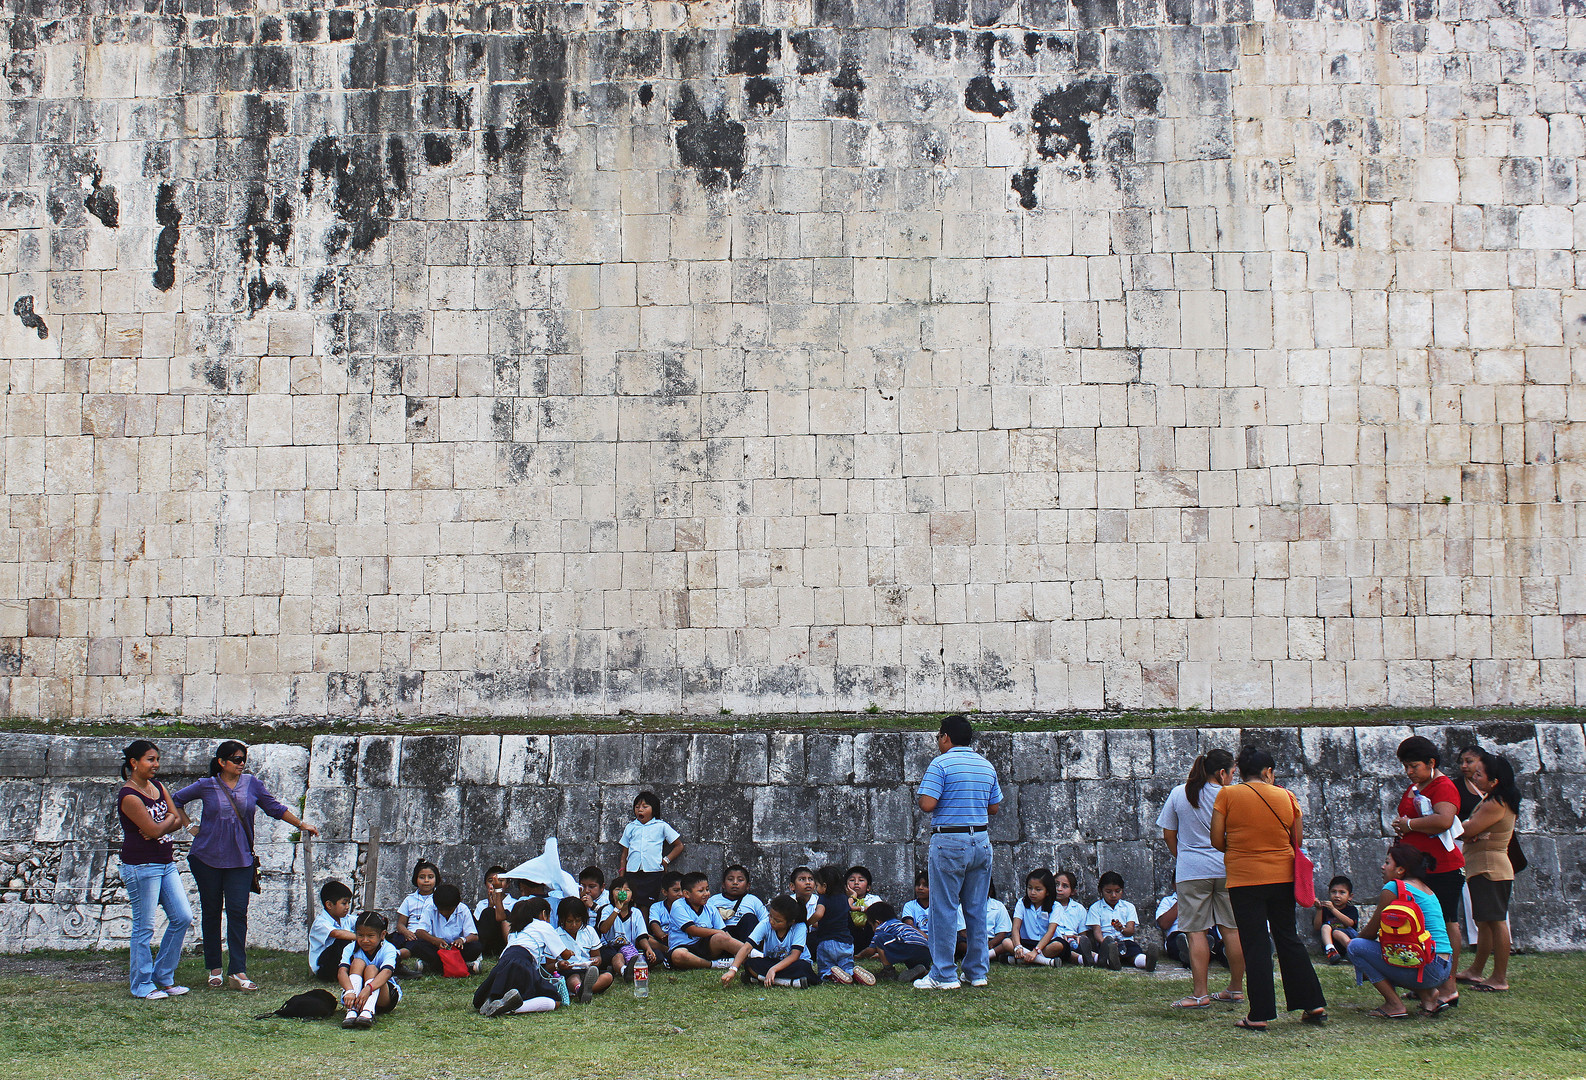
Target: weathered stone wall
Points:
(1084, 800)
(775, 355)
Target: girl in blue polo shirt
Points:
(368, 972)
(782, 940)
(649, 847)
(1034, 930)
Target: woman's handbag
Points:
(1304, 869)
(247, 830)
(1517, 857)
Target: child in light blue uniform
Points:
(896, 942)
(581, 948)
(1113, 923)
(1072, 920)
(624, 933)
(999, 924)
(452, 925)
(332, 930)
(783, 941)
(367, 973)
(697, 934)
(917, 912)
(740, 910)
(649, 847)
(1033, 928)
(660, 914)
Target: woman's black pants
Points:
(1256, 909)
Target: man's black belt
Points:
(958, 828)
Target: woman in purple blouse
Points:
(222, 856)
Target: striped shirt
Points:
(963, 784)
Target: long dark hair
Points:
(134, 750)
(1500, 772)
(1253, 761)
(1049, 883)
(1412, 860)
(1206, 766)
(226, 749)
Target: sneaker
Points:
(174, 991)
(586, 986)
(352, 1019)
(156, 995)
(928, 983)
(473, 966)
(863, 977)
(1111, 956)
(840, 977)
(505, 1003)
(1151, 957)
(721, 963)
(914, 973)
(792, 984)
(1333, 957)
(980, 982)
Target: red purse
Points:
(453, 966)
(1304, 869)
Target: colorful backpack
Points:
(1401, 931)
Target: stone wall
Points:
(780, 355)
(1082, 800)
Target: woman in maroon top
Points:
(148, 818)
(1429, 809)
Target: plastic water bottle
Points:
(641, 978)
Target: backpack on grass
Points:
(310, 1005)
(1402, 933)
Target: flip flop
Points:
(1444, 1006)
(1383, 1014)
(1248, 1026)
(1487, 988)
(1192, 1002)
(1317, 1017)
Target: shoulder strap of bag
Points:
(1288, 828)
(247, 826)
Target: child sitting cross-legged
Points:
(624, 936)
(413, 917)
(367, 972)
(332, 930)
(1113, 923)
(452, 928)
(517, 984)
(782, 940)
(1034, 939)
(581, 950)
(831, 931)
(894, 942)
(660, 914)
(740, 909)
(698, 935)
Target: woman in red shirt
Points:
(1427, 811)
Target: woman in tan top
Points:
(1256, 825)
(1488, 872)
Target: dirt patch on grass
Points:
(96, 970)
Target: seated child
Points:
(917, 912)
(413, 915)
(624, 934)
(782, 940)
(490, 914)
(367, 972)
(859, 898)
(581, 948)
(1174, 941)
(697, 934)
(740, 909)
(1337, 919)
(1113, 922)
(452, 926)
(1035, 939)
(1071, 918)
(801, 886)
(831, 933)
(592, 890)
(517, 984)
(331, 932)
(999, 925)
(660, 914)
(894, 942)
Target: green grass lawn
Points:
(1040, 1022)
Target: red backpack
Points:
(1402, 933)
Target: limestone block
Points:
(573, 759)
(1562, 748)
(378, 759)
(1083, 755)
(333, 761)
(1129, 752)
(617, 759)
(665, 760)
(525, 759)
(23, 755)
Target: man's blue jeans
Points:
(151, 886)
(960, 868)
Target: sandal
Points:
(1381, 1013)
(217, 981)
(241, 981)
(1192, 1002)
(1248, 1026)
(1485, 988)
(1234, 996)
(1317, 1017)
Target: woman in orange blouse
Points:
(1256, 824)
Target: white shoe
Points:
(175, 991)
(929, 983)
(979, 982)
(721, 964)
(473, 966)
(156, 995)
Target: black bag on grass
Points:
(310, 1005)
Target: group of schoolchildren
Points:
(554, 949)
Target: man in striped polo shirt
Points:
(960, 792)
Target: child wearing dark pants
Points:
(894, 942)
(332, 932)
(783, 941)
(516, 976)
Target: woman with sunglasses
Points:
(222, 855)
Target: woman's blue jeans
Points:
(1370, 967)
(151, 886)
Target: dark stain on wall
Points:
(982, 95)
(752, 52)
(646, 94)
(264, 227)
(1024, 183)
(103, 204)
(170, 220)
(848, 83)
(1140, 94)
(765, 95)
(709, 143)
(23, 309)
(362, 200)
(811, 52)
(1059, 119)
(437, 149)
(396, 163)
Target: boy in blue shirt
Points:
(698, 935)
(332, 930)
(660, 914)
(452, 926)
(740, 910)
(1113, 922)
(896, 942)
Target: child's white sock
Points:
(1139, 961)
(534, 1005)
(1044, 961)
(357, 984)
